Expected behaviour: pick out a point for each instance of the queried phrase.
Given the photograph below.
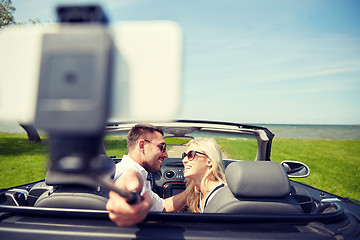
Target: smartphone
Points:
(146, 72)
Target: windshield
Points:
(239, 147)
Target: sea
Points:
(280, 130)
(314, 131)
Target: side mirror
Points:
(295, 169)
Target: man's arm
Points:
(175, 203)
(123, 213)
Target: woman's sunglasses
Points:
(191, 154)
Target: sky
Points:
(271, 62)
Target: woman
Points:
(204, 172)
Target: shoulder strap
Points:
(214, 190)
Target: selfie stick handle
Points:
(131, 197)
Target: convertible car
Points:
(259, 202)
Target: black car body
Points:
(320, 215)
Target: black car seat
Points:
(254, 187)
(73, 191)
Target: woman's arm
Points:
(175, 203)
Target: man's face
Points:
(153, 154)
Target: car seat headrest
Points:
(104, 162)
(257, 179)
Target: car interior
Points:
(253, 188)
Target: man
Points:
(146, 151)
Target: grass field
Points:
(334, 163)
(20, 161)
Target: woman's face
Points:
(199, 166)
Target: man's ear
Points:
(141, 145)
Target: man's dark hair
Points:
(138, 131)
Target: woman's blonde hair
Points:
(213, 151)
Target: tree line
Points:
(6, 13)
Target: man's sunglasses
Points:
(191, 154)
(161, 146)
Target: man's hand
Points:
(123, 213)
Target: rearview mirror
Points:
(177, 141)
(295, 169)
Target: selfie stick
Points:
(74, 94)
